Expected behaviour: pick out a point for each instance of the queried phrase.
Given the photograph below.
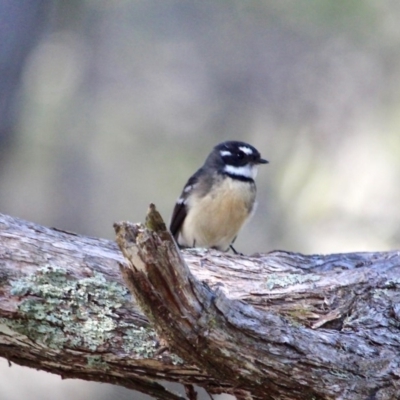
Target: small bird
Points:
(218, 199)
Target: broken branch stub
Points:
(160, 279)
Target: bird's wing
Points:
(180, 209)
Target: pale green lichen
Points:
(277, 280)
(64, 312)
(176, 360)
(380, 293)
(97, 362)
(341, 374)
(142, 340)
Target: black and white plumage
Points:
(218, 199)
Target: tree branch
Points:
(278, 350)
(277, 325)
(64, 309)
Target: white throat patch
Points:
(247, 171)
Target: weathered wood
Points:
(327, 331)
(281, 325)
(64, 309)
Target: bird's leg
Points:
(233, 249)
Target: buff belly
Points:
(215, 219)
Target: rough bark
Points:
(309, 328)
(273, 326)
(64, 309)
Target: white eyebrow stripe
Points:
(246, 150)
(225, 153)
(248, 171)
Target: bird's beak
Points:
(262, 161)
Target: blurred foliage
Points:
(121, 101)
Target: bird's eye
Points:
(240, 155)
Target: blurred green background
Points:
(106, 106)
